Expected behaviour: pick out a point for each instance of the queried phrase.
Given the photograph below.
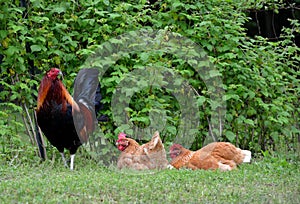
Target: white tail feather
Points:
(247, 157)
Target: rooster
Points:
(217, 155)
(151, 155)
(67, 122)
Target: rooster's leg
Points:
(72, 161)
(64, 159)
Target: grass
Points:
(272, 180)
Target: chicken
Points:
(151, 155)
(67, 122)
(217, 155)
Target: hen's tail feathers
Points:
(39, 139)
(247, 155)
(85, 87)
(155, 140)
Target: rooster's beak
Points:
(61, 74)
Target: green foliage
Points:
(260, 78)
(12, 145)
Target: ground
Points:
(262, 181)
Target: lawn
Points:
(271, 180)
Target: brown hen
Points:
(218, 155)
(151, 155)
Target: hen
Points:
(151, 155)
(217, 155)
(67, 122)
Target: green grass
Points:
(262, 181)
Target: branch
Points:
(208, 121)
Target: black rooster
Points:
(67, 122)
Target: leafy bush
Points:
(260, 78)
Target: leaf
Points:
(144, 56)
(250, 122)
(201, 100)
(172, 130)
(114, 15)
(3, 34)
(140, 119)
(230, 135)
(231, 96)
(106, 2)
(12, 50)
(60, 26)
(36, 48)
(58, 10)
(214, 73)
(124, 128)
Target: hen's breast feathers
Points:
(132, 147)
(183, 158)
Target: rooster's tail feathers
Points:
(84, 95)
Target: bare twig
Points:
(208, 121)
(29, 120)
(27, 128)
(257, 22)
(273, 25)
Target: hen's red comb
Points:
(175, 146)
(121, 135)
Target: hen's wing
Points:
(220, 155)
(224, 151)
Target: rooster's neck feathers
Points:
(43, 91)
(55, 90)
